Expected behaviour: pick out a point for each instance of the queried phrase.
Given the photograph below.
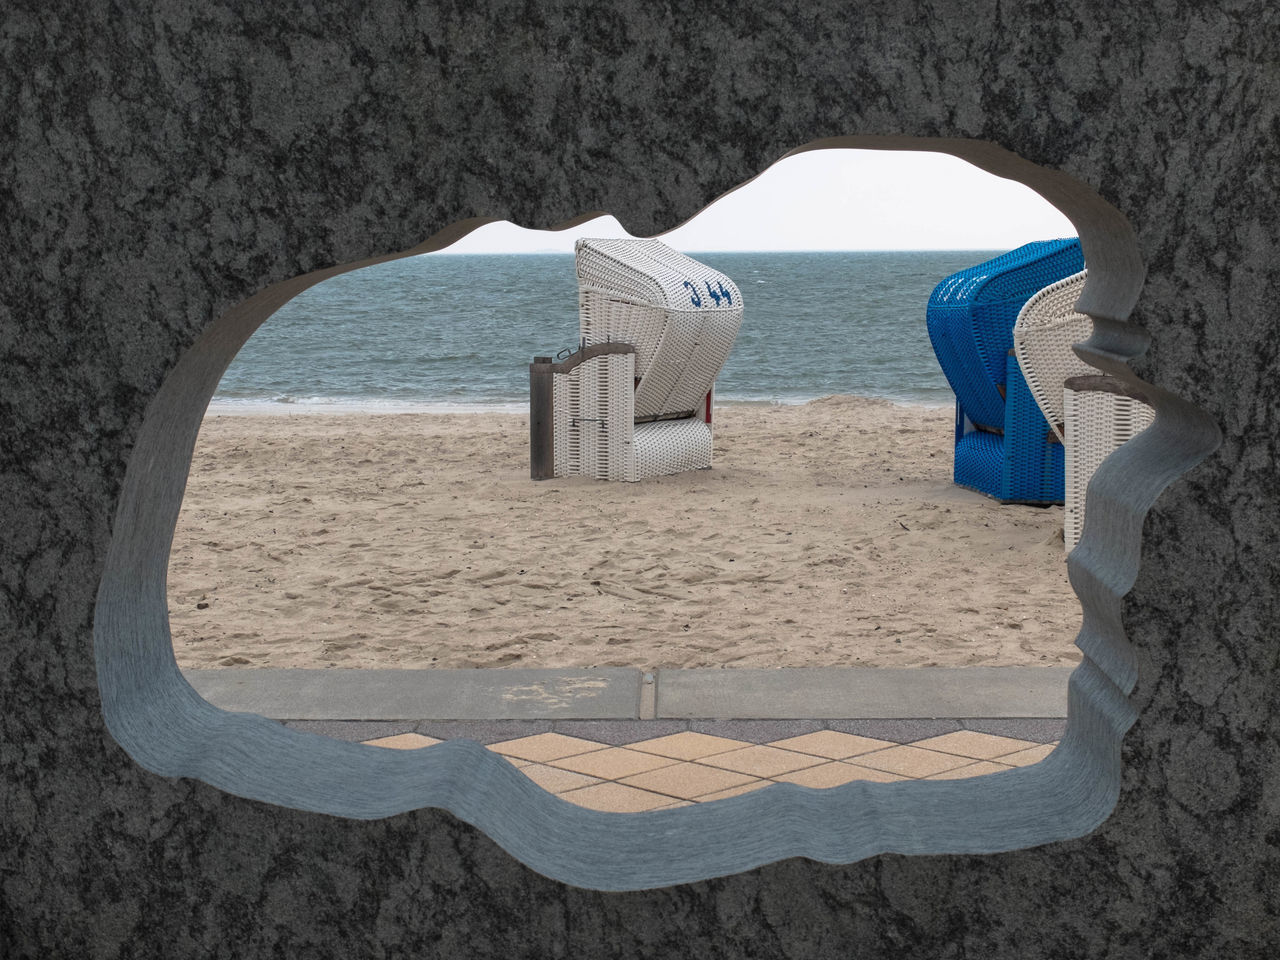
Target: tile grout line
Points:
(755, 780)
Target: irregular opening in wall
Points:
(169, 729)
(401, 530)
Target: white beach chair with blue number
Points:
(635, 399)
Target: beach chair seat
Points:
(1090, 413)
(1004, 446)
(635, 399)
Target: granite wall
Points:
(164, 162)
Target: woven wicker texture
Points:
(1043, 335)
(1032, 469)
(682, 317)
(593, 419)
(970, 318)
(1097, 423)
(671, 446)
(604, 318)
(1091, 424)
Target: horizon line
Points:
(568, 253)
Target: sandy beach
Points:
(827, 534)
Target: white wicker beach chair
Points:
(1091, 414)
(1100, 415)
(635, 400)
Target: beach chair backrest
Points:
(1043, 335)
(681, 315)
(971, 315)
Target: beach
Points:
(826, 534)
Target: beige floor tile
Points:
(403, 741)
(971, 743)
(688, 745)
(762, 761)
(911, 761)
(874, 776)
(555, 780)
(613, 763)
(835, 773)
(832, 744)
(979, 769)
(687, 781)
(545, 746)
(1024, 758)
(734, 791)
(616, 798)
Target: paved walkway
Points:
(620, 740)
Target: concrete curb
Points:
(619, 693)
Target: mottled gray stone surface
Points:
(163, 162)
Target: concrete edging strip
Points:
(832, 693)
(614, 693)
(605, 693)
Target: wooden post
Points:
(542, 453)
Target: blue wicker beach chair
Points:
(1004, 446)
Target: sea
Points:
(456, 332)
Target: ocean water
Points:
(459, 332)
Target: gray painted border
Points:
(157, 717)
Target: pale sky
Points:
(836, 200)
